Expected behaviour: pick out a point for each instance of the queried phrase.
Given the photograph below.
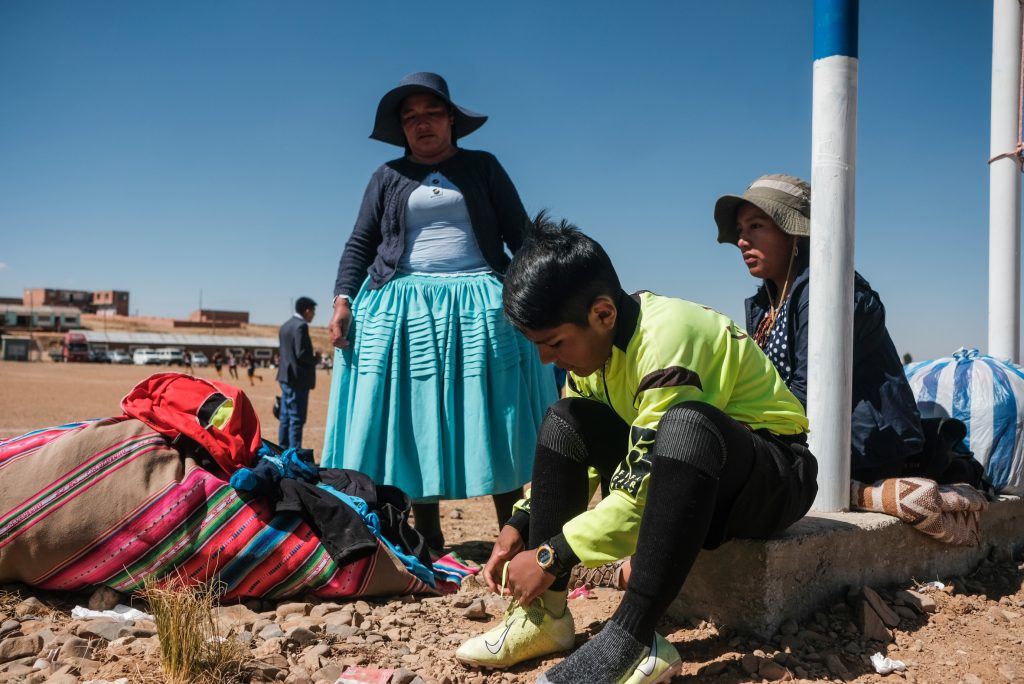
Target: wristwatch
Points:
(546, 558)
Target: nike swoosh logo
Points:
(496, 646)
(647, 666)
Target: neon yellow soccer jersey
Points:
(668, 351)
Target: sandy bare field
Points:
(35, 395)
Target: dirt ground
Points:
(34, 395)
(975, 634)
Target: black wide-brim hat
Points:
(388, 128)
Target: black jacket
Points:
(886, 425)
(298, 363)
(378, 238)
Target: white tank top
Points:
(438, 233)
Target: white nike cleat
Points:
(525, 633)
(658, 665)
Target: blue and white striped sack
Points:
(988, 396)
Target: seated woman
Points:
(770, 223)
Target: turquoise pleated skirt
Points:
(437, 393)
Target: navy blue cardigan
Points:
(886, 424)
(378, 238)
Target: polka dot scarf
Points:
(774, 339)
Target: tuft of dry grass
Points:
(191, 649)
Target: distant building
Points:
(213, 316)
(36, 297)
(110, 302)
(103, 301)
(10, 300)
(39, 317)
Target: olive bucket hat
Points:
(388, 128)
(786, 199)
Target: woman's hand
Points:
(340, 322)
(527, 579)
(509, 543)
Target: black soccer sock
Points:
(680, 506)
(559, 493)
(576, 434)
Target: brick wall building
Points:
(103, 301)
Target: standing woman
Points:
(434, 391)
(770, 223)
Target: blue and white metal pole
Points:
(1004, 185)
(833, 163)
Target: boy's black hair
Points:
(555, 276)
(303, 303)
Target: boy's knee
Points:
(560, 433)
(688, 433)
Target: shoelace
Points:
(513, 603)
(504, 576)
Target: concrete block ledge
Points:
(756, 585)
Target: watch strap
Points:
(565, 557)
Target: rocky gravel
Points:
(970, 630)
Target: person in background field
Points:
(250, 368)
(770, 224)
(435, 392)
(296, 373)
(218, 364)
(186, 359)
(232, 365)
(671, 402)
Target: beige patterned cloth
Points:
(949, 513)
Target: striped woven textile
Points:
(109, 502)
(949, 513)
(449, 571)
(988, 396)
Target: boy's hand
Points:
(509, 543)
(527, 579)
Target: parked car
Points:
(145, 357)
(99, 356)
(200, 360)
(119, 356)
(170, 356)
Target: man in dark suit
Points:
(297, 372)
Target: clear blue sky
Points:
(170, 147)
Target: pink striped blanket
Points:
(109, 502)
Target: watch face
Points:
(545, 557)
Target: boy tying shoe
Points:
(681, 411)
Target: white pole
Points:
(833, 165)
(1004, 185)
